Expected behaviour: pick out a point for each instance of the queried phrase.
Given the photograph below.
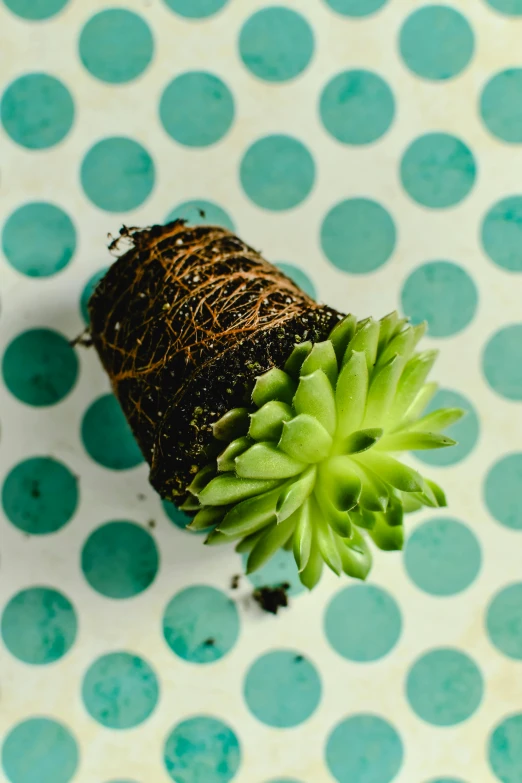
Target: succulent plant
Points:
(311, 465)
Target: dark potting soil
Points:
(183, 322)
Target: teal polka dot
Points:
(196, 9)
(213, 214)
(35, 10)
(357, 107)
(37, 111)
(120, 559)
(444, 687)
(509, 7)
(441, 293)
(39, 625)
(299, 277)
(202, 750)
(116, 45)
(284, 780)
(276, 44)
(39, 367)
(446, 780)
(364, 748)
(505, 749)
(438, 170)
(197, 109)
(501, 106)
(465, 431)
(282, 688)
(201, 624)
(443, 556)
(117, 174)
(88, 290)
(356, 7)
(107, 436)
(436, 42)
(40, 495)
(279, 569)
(277, 172)
(358, 236)
(120, 690)
(40, 750)
(39, 239)
(363, 623)
(502, 362)
(502, 233)
(502, 491)
(504, 621)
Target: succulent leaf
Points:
(311, 466)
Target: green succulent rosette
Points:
(313, 465)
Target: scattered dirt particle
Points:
(141, 496)
(209, 642)
(151, 523)
(234, 582)
(35, 489)
(298, 659)
(270, 599)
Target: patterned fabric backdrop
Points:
(373, 149)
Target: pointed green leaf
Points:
(356, 557)
(412, 379)
(350, 395)
(311, 573)
(227, 489)
(341, 335)
(420, 402)
(381, 393)
(325, 539)
(374, 492)
(337, 519)
(225, 461)
(385, 537)
(342, 483)
(364, 341)
(438, 493)
(418, 333)
(401, 344)
(295, 360)
(415, 441)
(360, 517)
(248, 542)
(265, 461)
(302, 538)
(304, 439)
(268, 544)
(410, 502)
(387, 326)
(191, 503)
(315, 397)
(215, 538)
(394, 472)
(394, 512)
(201, 479)
(206, 517)
(361, 440)
(322, 357)
(295, 494)
(232, 425)
(267, 422)
(249, 515)
(273, 385)
(437, 420)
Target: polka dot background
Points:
(372, 150)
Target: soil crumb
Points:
(270, 599)
(234, 582)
